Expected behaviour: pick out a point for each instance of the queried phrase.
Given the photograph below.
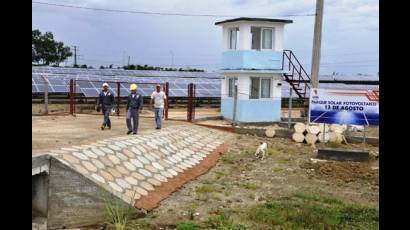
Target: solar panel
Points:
(60, 88)
(41, 88)
(90, 92)
(208, 84)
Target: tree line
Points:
(46, 51)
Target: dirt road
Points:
(50, 132)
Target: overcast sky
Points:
(350, 36)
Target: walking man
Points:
(105, 101)
(134, 107)
(158, 98)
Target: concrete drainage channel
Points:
(67, 183)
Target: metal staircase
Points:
(295, 74)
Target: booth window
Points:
(231, 86)
(233, 38)
(265, 88)
(260, 88)
(266, 38)
(254, 88)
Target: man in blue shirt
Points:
(107, 102)
(134, 107)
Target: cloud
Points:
(349, 25)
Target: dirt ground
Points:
(239, 181)
(51, 132)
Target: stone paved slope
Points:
(136, 164)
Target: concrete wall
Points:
(245, 36)
(73, 199)
(252, 110)
(244, 85)
(251, 59)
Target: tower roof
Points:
(254, 19)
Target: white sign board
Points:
(352, 107)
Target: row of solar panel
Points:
(285, 88)
(92, 88)
(121, 72)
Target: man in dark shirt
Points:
(134, 107)
(107, 102)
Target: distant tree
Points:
(46, 50)
(76, 66)
(102, 67)
(90, 67)
(84, 66)
(111, 66)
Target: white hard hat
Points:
(105, 84)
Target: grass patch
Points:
(248, 185)
(311, 211)
(251, 196)
(277, 169)
(204, 189)
(333, 145)
(223, 221)
(232, 157)
(117, 211)
(187, 226)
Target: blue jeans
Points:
(134, 115)
(106, 112)
(158, 116)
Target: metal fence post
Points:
(45, 94)
(194, 101)
(118, 97)
(189, 107)
(290, 107)
(166, 94)
(71, 96)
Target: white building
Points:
(252, 59)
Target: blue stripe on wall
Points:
(251, 59)
(252, 110)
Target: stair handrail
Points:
(294, 56)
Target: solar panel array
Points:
(285, 85)
(89, 81)
(207, 84)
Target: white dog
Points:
(261, 150)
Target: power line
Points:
(156, 13)
(353, 62)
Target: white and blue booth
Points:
(252, 60)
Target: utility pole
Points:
(235, 100)
(75, 55)
(317, 37)
(129, 60)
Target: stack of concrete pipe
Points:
(314, 132)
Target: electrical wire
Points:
(155, 13)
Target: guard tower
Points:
(252, 60)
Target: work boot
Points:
(128, 133)
(134, 133)
(102, 127)
(109, 127)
